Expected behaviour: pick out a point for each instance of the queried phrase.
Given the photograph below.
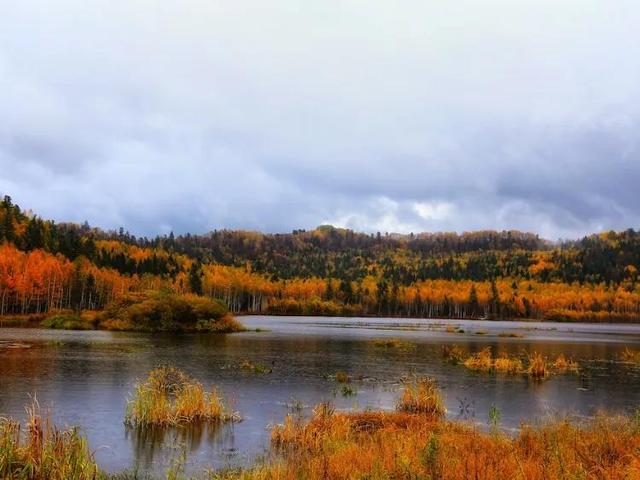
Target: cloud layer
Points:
(383, 116)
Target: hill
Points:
(328, 270)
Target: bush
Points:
(167, 312)
(67, 320)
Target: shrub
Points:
(164, 311)
(68, 320)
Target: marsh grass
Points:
(453, 354)
(401, 445)
(41, 451)
(563, 364)
(169, 397)
(507, 364)
(348, 391)
(480, 361)
(394, 343)
(342, 377)
(630, 355)
(510, 335)
(537, 368)
(257, 368)
(535, 365)
(422, 396)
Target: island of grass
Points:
(167, 312)
(169, 397)
(148, 311)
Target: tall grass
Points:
(480, 361)
(422, 396)
(170, 397)
(40, 451)
(453, 354)
(630, 355)
(535, 365)
(400, 445)
(509, 365)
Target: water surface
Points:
(86, 377)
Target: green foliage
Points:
(494, 416)
(67, 320)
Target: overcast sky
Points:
(275, 115)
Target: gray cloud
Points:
(187, 116)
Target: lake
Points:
(85, 377)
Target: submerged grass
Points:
(537, 368)
(453, 354)
(40, 451)
(509, 365)
(630, 355)
(563, 364)
(170, 397)
(535, 365)
(510, 335)
(480, 361)
(393, 343)
(257, 368)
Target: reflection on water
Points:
(148, 443)
(86, 377)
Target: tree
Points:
(195, 278)
(474, 305)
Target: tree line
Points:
(331, 271)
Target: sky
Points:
(390, 116)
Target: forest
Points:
(47, 266)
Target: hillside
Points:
(330, 271)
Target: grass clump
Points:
(563, 364)
(535, 365)
(481, 361)
(40, 451)
(257, 368)
(393, 343)
(169, 397)
(453, 354)
(422, 396)
(537, 368)
(630, 355)
(509, 365)
(348, 391)
(510, 335)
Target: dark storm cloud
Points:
(161, 116)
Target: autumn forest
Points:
(47, 266)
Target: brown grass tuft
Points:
(170, 397)
(422, 396)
